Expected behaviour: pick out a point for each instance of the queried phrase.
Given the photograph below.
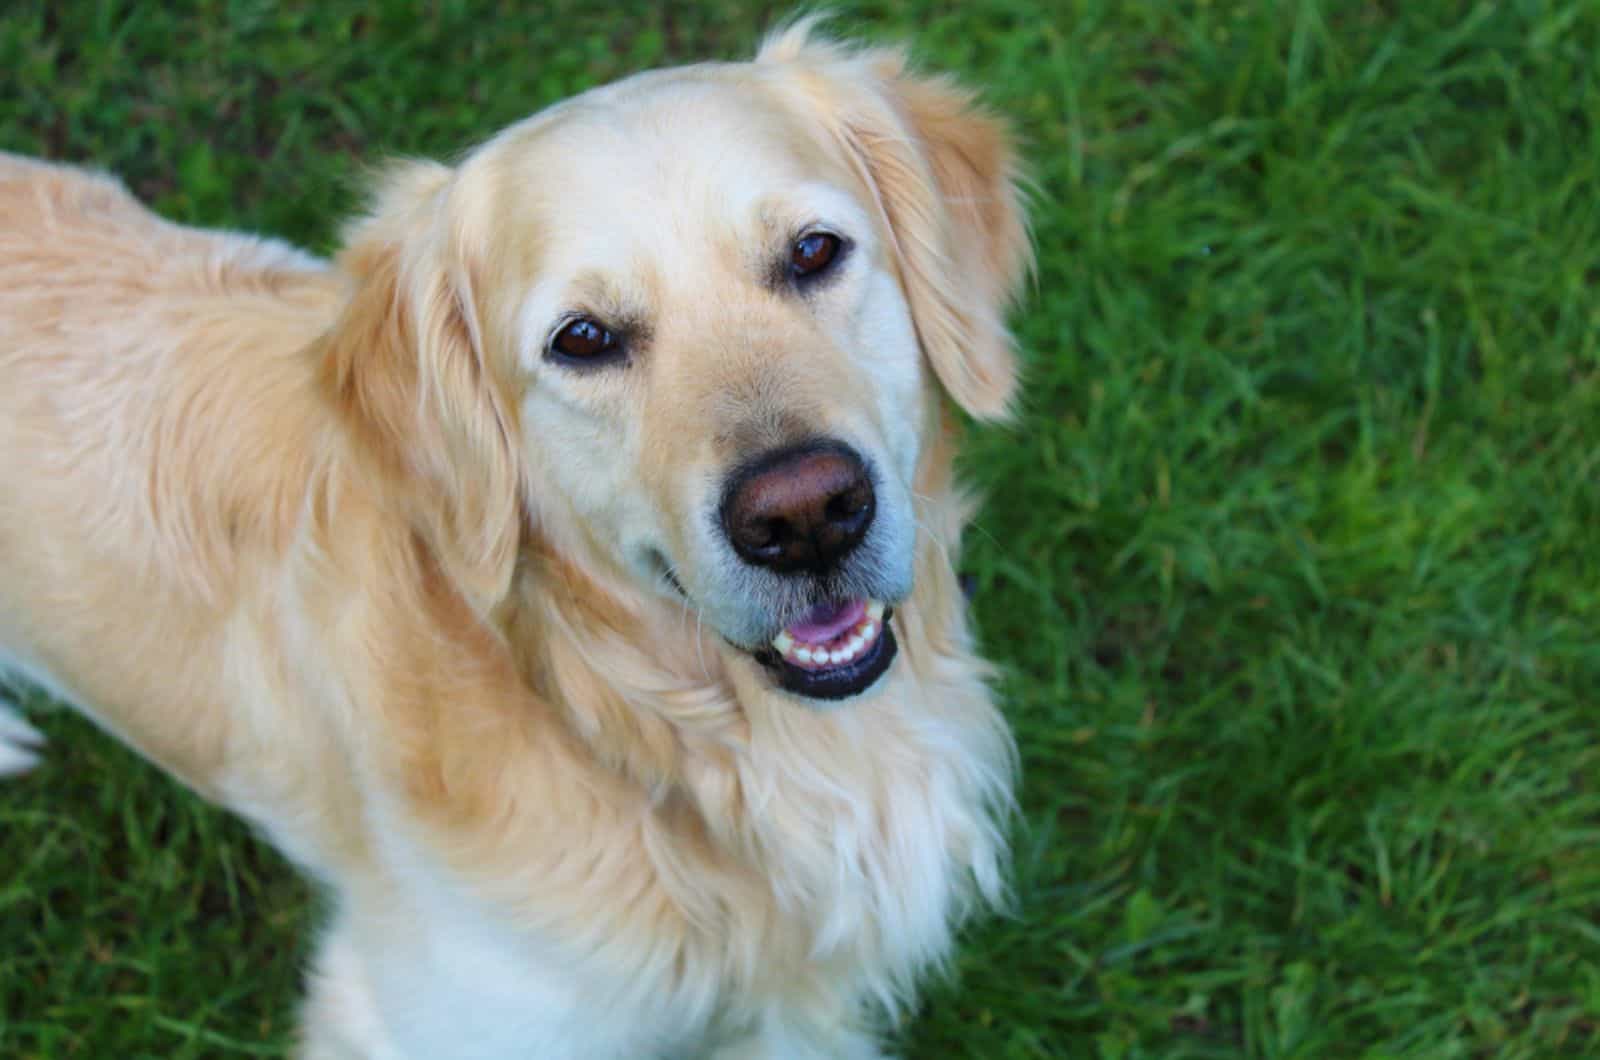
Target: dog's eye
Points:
(812, 254)
(583, 339)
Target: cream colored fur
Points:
(338, 547)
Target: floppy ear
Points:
(406, 366)
(946, 179)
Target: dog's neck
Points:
(639, 680)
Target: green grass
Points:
(1293, 562)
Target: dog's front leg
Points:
(340, 1019)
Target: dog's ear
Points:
(945, 175)
(406, 367)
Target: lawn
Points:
(1292, 562)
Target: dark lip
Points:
(835, 684)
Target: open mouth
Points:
(837, 650)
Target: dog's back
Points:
(154, 394)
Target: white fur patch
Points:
(19, 743)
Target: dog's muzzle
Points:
(801, 511)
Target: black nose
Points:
(801, 508)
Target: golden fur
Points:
(324, 542)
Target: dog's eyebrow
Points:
(621, 310)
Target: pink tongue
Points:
(827, 621)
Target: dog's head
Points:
(693, 327)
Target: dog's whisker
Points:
(981, 530)
(933, 536)
(685, 606)
(975, 526)
(700, 644)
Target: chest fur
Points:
(683, 845)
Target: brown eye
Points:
(582, 339)
(813, 253)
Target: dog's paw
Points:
(19, 743)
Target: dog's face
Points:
(700, 318)
(723, 383)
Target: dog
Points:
(563, 576)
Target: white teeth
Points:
(848, 647)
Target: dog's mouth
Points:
(836, 650)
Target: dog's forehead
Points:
(690, 119)
(674, 155)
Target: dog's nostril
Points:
(848, 505)
(769, 533)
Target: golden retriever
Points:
(562, 577)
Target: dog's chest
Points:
(451, 977)
(667, 943)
